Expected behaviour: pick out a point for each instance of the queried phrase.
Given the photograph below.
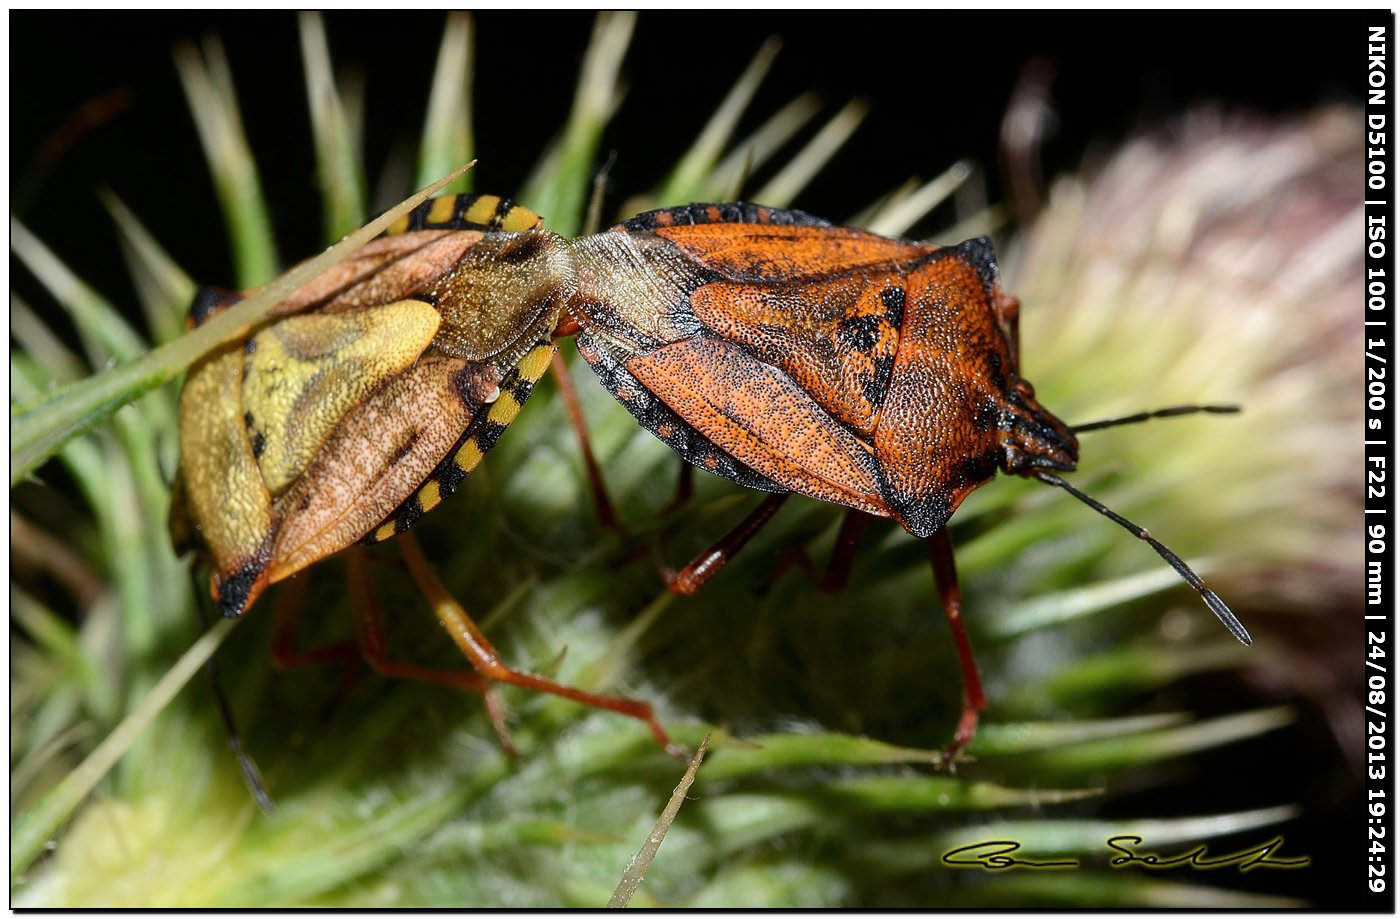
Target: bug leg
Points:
(843, 554)
(252, 778)
(369, 634)
(593, 222)
(569, 394)
(1008, 309)
(685, 489)
(693, 576)
(487, 662)
(945, 575)
(286, 619)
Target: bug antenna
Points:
(593, 222)
(1170, 412)
(1217, 605)
(249, 769)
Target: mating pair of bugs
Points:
(763, 345)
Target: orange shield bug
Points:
(790, 355)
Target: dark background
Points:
(937, 83)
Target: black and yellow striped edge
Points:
(467, 212)
(480, 436)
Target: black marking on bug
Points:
(737, 212)
(987, 416)
(408, 514)
(983, 257)
(893, 299)
(921, 516)
(248, 420)
(449, 475)
(976, 469)
(234, 589)
(259, 444)
(208, 302)
(860, 332)
(249, 347)
(874, 388)
(518, 387)
(522, 248)
(996, 374)
(460, 205)
(418, 217)
(503, 207)
(487, 433)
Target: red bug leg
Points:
(945, 575)
(369, 633)
(843, 554)
(286, 618)
(569, 394)
(685, 489)
(693, 576)
(487, 662)
(1008, 308)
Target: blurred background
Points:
(1174, 198)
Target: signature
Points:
(1260, 856)
(997, 855)
(993, 855)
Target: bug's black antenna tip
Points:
(1173, 411)
(1217, 605)
(1223, 613)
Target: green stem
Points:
(33, 829)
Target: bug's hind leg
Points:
(487, 662)
(606, 515)
(701, 568)
(838, 568)
(286, 622)
(1008, 309)
(685, 489)
(945, 575)
(369, 635)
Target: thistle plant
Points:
(1203, 265)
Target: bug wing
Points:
(609, 361)
(756, 413)
(397, 455)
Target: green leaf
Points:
(104, 332)
(784, 187)
(897, 218)
(558, 187)
(337, 149)
(687, 180)
(163, 287)
(447, 127)
(208, 85)
(729, 178)
(33, 828)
